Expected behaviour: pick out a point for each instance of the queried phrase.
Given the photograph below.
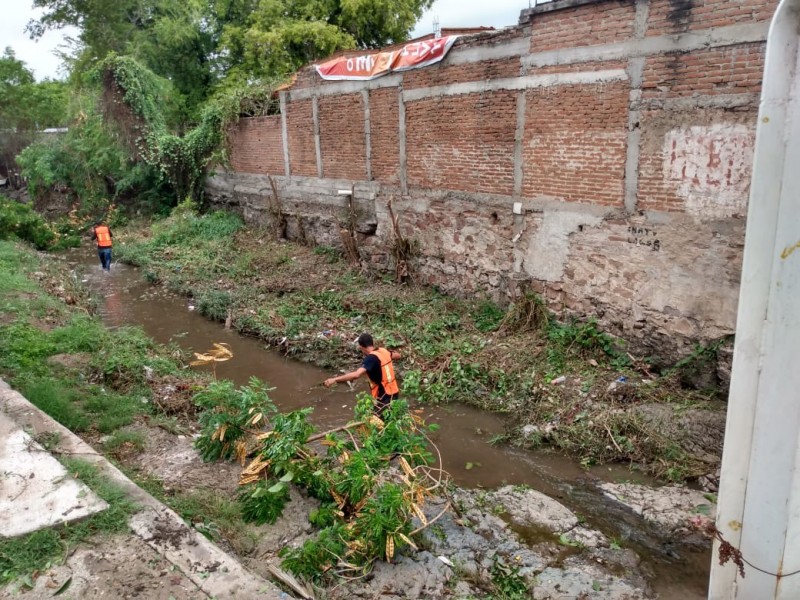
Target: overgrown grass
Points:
(21, 557)
(110, 389)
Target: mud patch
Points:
(118, 567)
(74, 362)
(174, 460)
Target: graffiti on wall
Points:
(644, 236)
(709, 167)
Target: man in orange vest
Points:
(377, 366)
(102, 233)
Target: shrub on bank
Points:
(19, 220)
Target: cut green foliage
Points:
(264, 501)
(227, 414)
(368, 474)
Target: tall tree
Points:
(272, 38)
(168, 36)
(196, 43)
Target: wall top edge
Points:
(527, 14)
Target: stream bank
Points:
(561, 384)
(194, 488)
(676, 560)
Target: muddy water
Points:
(463, 437)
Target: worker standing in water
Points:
(102, 233)
(377, 366)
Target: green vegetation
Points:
(153, 86)
(106, 387)
(557, 375)
(19, 221)
(366, 477)
(507, 582)
(21, 557)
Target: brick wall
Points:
(300, 133)
(575, 142)
(384, 118)
(463, 142)
(733, 70)
(258, 146)
(342, 137)
(621, 132)
(677, 16)
(591, 24)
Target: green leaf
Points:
(276, 488)
(288, 477)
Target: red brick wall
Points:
(462, 142)
(342, 137)
(384, 110)
(300, 130)
(444, 75)
(575, 136)
(587, 25)
(696, 161)
(677, 16)
(575, 142)
(732, 70)
(258, 147)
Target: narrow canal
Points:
(463, 438)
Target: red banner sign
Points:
(370, 66)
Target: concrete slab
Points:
(214, 573)
(35, 489)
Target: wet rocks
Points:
(670, 509)
(459, 554)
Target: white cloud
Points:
(38, 55)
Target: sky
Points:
(40, 58)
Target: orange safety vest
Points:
(388, 380)
(103, 234)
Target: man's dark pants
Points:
(105, 258)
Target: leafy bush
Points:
(214, 304)
(227, 412)
(20, 221)
(263, 502)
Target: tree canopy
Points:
(200, 45)
(24, 104)
(172, 75)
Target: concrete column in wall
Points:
(635, 72)
(367, 133)
(402, 141)
(519, 136)
(317, 143)
(519, 132)
(285, 135)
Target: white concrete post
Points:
(759, 495)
